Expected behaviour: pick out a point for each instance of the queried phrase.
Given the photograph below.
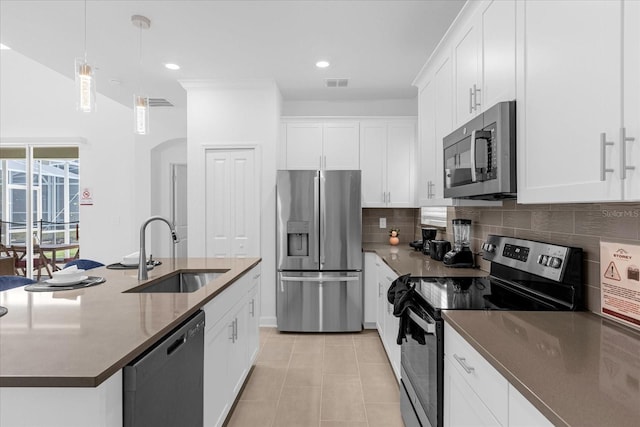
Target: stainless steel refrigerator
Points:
(319, 251)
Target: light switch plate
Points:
(383, 222)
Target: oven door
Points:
(422, 371)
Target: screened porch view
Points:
(45, 229)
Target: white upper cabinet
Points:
(427, 142)
(498, 52)
(321, 145)
(569, 101)
(387, 160)
(483, 50)
(631, 94)
(466, 55)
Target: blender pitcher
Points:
(460, 255)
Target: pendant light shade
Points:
(85, 87)
(141, 114)
(85, 81)
(140, 102)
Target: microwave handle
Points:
(476, 134)
(474, 177)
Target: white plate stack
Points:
(68, 276)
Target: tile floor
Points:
(319, 380)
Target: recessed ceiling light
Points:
(4, 47)
(322, 64)
(172, 66)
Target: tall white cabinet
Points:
(387, 159)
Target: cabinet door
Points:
(253, 316)
(427, 143)
(373, 162)
(341, 146)
(304, 146)
(238, 366)
(567, 100)
(631, 96)
(522, 413)
(381, 300)
(462, 407)
(400, 164)
(467, 88)
(498, 52)
(443, 123)
(217, 384)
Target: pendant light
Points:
(85, 81)
(140, 102)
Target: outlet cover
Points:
(383, 222)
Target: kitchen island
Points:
(73, 344)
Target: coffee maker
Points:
(428, 234)
(460, 255)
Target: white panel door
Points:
(304, 146)
(373, 163)
(179, 207)
(400, 164)
(341, 146)
(466, 56)
(631, 96)
(568, 84)
(498, 52)
(232, 214)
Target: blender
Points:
(460, 255)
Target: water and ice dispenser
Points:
(298, 238)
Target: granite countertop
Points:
(79, 338)
(577, 368)
(405, 260)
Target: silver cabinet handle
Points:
(384, 197)
(463, 362)
(476, 104)
(603, 156)
(470, 100)
(235, 328)
(231, 330)
(428, 189)
(253, 307)
(379, 289)
(623, 156)
(389, 201)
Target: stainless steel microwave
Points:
(480, 157)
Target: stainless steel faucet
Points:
(142, 265)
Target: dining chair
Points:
(85, 264)
(39, 261)
(10, 282)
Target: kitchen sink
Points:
(179, 282)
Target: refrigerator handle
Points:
(316, 213)
(323, 219)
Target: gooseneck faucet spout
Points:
(142, 264)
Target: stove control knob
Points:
(555, 262)
(489, 247)
(543, 259)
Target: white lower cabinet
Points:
(476, 394)
(231, 344)
(522, 413)
(387, 323)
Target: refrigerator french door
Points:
(319, 251)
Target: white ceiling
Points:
(378, 45)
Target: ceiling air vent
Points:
(159, 102)
(336, 82)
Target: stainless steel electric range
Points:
(525, 275)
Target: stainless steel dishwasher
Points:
(164, 386)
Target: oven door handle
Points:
(429, 326)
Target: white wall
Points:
(227, 113)
(384, 107)
(36, 102)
